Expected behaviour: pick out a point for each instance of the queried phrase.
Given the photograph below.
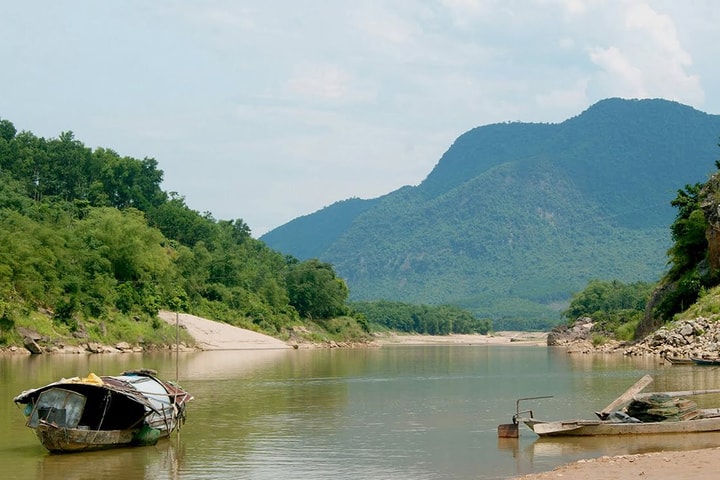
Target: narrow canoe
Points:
(709, 421)
(679, 360)
(706, 361)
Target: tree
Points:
(608, 297)
(7, 130)
(315, 291)
(688, 232)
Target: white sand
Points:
(212, 335)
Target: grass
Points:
(708, 306)
(107, 331)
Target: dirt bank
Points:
(212, 335)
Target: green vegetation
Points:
(516, 217)
(688, 289)
(707, 305)
(616, 308)
(91, 248)
(423, 319)
(688, 273)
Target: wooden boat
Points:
(99, 412)
(634, 413)
(707, 421)
(679, 360)
(706, 360)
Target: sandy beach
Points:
(212, 335)
(686, 465)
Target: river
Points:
(399, 412)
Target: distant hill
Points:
(516, 217)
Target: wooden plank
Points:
(625, 397)
(680, 393)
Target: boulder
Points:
(31, 345)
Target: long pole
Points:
(625, 397)
(681, 393)
(177, 348)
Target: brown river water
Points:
(399, 412)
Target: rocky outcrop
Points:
(686, 338)
(699, 337)
(562, 335)
(582, 337)
(710, 204)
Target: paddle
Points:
(625, 397)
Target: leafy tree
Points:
(89, 236)
(178, 222)
(7, 130)
(124, 182)
(315, 291)
(688, 231)
(608, 296)
(425, 319)
(615, 307)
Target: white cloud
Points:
(645, 58)
(270, 110)
(324, 82)
(620, 72)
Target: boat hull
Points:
(63, 440)
(680, 360)
(706, 361)
(578, 428)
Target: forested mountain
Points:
(515, 217)
(91, 248)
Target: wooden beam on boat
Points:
(625, 397)
(680, 393)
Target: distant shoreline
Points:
(498, 338)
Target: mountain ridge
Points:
(515, 217)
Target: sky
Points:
(269, 110)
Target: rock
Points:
(580, 331)
(32, 345)
(93, 347)
(687, 330)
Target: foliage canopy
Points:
(89, 237)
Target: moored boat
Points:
(707, 421)
(679, 360)
(634, 413)
(706, 360)
(99, 412)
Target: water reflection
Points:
(426, 412)
(157, 462)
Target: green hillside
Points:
(91, 248)
(516, 217)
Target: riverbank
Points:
(687, 465)
(213, 335)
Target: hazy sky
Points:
(269, 110)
